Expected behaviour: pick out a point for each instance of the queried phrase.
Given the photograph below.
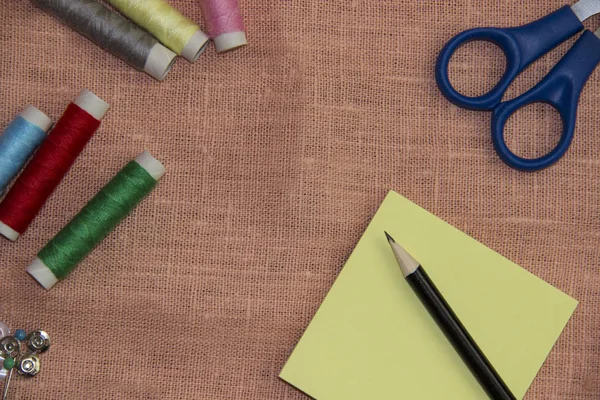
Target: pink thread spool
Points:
(224, 23)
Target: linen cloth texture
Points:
(277, 156)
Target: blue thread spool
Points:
(19, 141)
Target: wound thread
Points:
(224, 23)
(113, 33)
(96, 220)
(50, 164)
(19, 141)
(167, 24)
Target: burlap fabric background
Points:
(278, 155)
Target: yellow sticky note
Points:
(373, 340)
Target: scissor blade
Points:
(586, 8)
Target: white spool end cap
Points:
(8, 232)
(230, 41)
(92, 104)
(159, 62)
(195, 46)
(42, 273)
(151, 165)
(36, 117)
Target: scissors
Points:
(522, 45)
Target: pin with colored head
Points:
(20, 352)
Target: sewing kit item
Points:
(20, 334)
(561, 88)
(4, 330)
(224, 23)
(113, 33)
(50, 164)
(19, 141)
(17, 355)
(96, 220)
(167, 24)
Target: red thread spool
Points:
(51, 163)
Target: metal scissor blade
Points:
(586, 8)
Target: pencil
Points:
(449, 323)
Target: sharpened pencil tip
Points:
(389, 238)
(407, 263)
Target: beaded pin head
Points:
(20, 352)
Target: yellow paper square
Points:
(373, 340)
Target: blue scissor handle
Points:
(561, 88)
(521, 46)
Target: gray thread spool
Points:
(114, 33)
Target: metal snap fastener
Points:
(38, 341)
(9, 347)
(29, 365)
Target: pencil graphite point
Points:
(389, 238)
(407, 263)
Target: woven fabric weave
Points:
(277, 156)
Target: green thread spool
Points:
(166, 24)
(96, 220)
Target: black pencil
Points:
(449, 323)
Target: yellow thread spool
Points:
(167, 24)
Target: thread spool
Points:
(224, 23)
(49, 165)
(167, 24)
(19, 141)
(96, 220)
(113, 33)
